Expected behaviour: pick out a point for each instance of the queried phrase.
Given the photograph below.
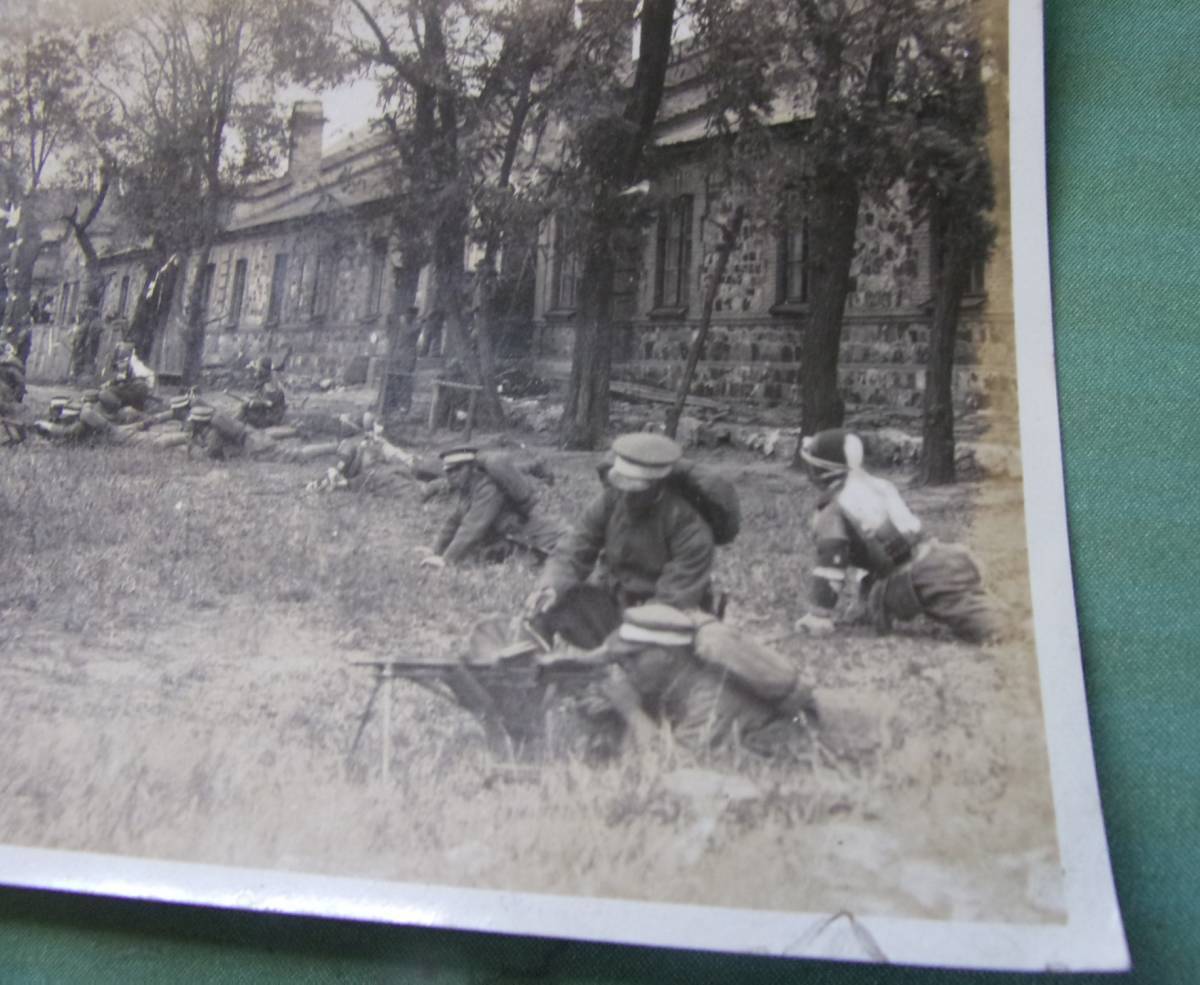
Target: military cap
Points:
(641, 460)
(90, 396)
(182, 402)
(833, 451)
(58, 403)
(70, 412)
(657, 623)
(200, 414)
(459, 455)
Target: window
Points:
(278, 286)
(207, 276)
(674, 254)
(375, 276)
(239, 292)
(564, 269)
(123, 297)
(793, 252)
(318, 298)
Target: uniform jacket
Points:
(861, 522)
(664, 553)
(483, 511)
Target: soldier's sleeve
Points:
(486, 505)
(576, 553)
(685, 578)
(833, 557)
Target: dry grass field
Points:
(176, 642)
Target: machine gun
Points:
(517, 695)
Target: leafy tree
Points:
(612, 112)
(949, 171)
(44, 106)
(197, 84)
(461, 87)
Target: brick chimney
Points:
(307, 127)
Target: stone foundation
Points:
(759, 361)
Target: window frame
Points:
(278, 295)
(237, 300)
(673, 254)
(564, 270)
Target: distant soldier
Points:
(269, 404)
(20, 337)
(63, 425)
(369, 463)
(12, 378)
(219, 437)
(496, 507)
(655, 543)
(85, 340)
(167, 429)
(861, 521)
(713, 698)
(128, 381)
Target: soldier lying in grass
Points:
(861, 521)
(219, 437)
(713, 689)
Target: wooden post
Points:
(472, 400)
(433, 405)
(386, 725)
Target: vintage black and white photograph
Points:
(572, 467)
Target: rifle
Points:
(508, 695)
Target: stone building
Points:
(305, 268)
(753, 349)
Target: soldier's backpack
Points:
(763, 671)
(503, 470)
(714, 497)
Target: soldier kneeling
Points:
(862, 522)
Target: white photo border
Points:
(1091, 938)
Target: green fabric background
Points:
(1124, 170)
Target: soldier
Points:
(169, 426)
(496, 507)
(63, 425)
(219, 437)
(655, 543)
(861, 521)
(129, 381)
(268, 405)
(12, 378)
(712, 698)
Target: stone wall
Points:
(758, 360)
(754, 344)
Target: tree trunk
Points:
(615, 166)
(832, 228)
(86, 343)
(485, 326)
(29, 239)
(194, 330)
(585, 416)
(729, 237)
(936, 464)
